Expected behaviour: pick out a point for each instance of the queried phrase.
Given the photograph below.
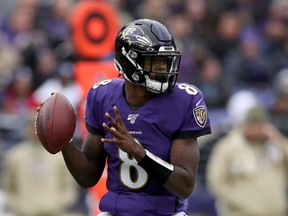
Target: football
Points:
(55, 123)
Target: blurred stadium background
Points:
(235, 51)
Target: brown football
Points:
(55, 123)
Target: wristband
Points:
(159, 169)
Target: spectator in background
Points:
(55, 23)
(123, 15)
(211, 80)
(10, 60)
(279, 109)
(16, 28)
(246, 67)
(62, 82)
(225, 36)
(237, 106)
(18, 97)
(281, 91)
(17, 101)
(44, 64)
(278, 9)
(275, 43)
(197, 14)
(157, 10)
(247, 171)
(36, 182)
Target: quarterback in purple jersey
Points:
(145, 126)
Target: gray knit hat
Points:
(257, 114)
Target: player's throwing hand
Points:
(122, 137)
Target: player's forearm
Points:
(181, 182)
(83, 171)
(176, 179)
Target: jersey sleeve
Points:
(92, 112)
(196, 118)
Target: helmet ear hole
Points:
(138, 77)
(117, 65)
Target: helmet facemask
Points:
(163, 79)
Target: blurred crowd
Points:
(235, 51)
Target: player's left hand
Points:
(122, 137)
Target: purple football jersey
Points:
(165, 117)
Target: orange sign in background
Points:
(94, 29)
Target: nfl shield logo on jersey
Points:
(132, 118)
(200, 115)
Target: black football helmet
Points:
(142, 41)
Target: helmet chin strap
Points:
(155, 86)
(151, 85)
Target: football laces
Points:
(35, 122)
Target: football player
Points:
(145, 125)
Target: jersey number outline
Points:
(191, 90)
(128, 167)
(103, 82)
